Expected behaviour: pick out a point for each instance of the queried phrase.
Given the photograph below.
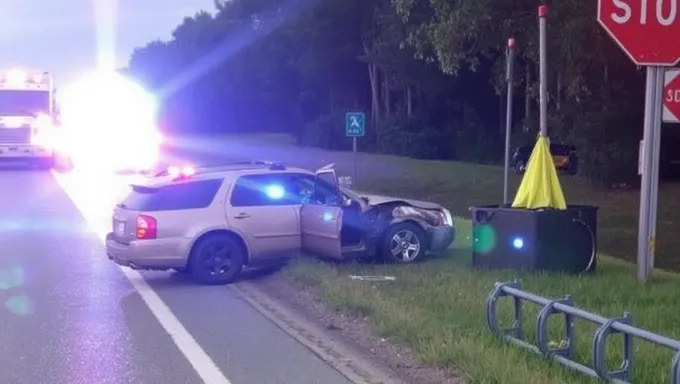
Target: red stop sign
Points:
(647, 30)
(671, 97)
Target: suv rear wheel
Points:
(217, 259)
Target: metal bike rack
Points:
(564, 352)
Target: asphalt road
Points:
(70, 316)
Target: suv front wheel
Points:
(217, 259)
(404, 243)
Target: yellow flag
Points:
(540, 187)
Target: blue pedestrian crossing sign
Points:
(355, 124)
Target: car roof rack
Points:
(272, 165)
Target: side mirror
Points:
(346, 201)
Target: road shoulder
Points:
(344, 341)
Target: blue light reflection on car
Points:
(275, 191)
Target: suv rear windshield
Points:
(192, 195)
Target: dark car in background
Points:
(564, 156)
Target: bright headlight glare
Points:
(110, 120)
(106, 98)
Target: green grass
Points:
(438, 307)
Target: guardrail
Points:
(563, 353)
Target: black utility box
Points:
(535, 239)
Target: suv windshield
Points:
(191, 195)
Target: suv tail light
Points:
(147, 227)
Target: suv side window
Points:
(316, 190)
(173, 197)
(281, 189)
(264, 190)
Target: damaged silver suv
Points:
(213, 221)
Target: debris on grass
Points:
(372, 278)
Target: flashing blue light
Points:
(275, 192)
(327, 216)
(518, 243)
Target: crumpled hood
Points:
(377, 200)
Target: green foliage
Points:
(327, 132)
(429, 75)
(416, 137)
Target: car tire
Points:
(217, 259)
(403, 243)
(520, 167)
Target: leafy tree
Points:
(429, 74)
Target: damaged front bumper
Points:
(441, 237)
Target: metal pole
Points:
(656, 148)
(543, 72)
(354, 162)
(650, 163)
(509, 76)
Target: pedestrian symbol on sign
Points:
(355, 124)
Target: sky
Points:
(70, 37)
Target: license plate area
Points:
(119, 228)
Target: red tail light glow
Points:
(174, 171)
(147, 227)
(181, 173)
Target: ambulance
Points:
(28, 116)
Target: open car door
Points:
(321, 219)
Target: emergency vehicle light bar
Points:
(18, 79)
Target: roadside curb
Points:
(310, 335)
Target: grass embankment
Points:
(438, 307)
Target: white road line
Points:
(204, 366)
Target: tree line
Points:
(430, 76)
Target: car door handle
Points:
(242, 216)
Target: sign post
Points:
(509, 76)
(355, 127)
(647, 31)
